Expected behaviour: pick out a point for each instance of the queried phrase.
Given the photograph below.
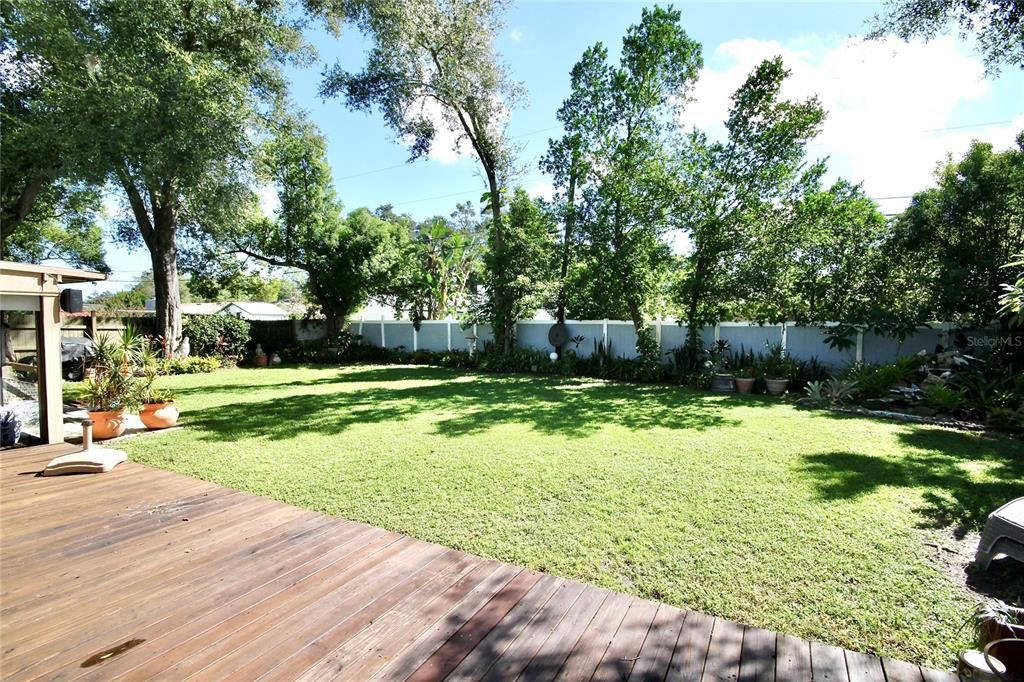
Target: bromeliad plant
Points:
(831, 393)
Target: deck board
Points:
(142, 573)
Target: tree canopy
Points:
(612, 166)
(997, 25)
(158, 98)
(736, 195)
(347, 259)
(952, 242)
(433, 63)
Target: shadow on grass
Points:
(461, 404)
(964, 476)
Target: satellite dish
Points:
(558, 335)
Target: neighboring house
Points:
(198, 308)
(254, 310)
(247, 310)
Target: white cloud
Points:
(885, 101)
(515, 35)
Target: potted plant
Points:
(158, 408)
(722, 381)
(108, 396)
(776, 370)
(995, 619)
(114, 389)
(745, 380)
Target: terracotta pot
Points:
(159, 415)
(745, 384)
(107, 424)
(261, 360)
(776, 386)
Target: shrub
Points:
(875, 381)
(220, 335)
(344, 347)
(193, 364)
(941, 397)
(802, 373)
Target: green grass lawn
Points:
(804, 522)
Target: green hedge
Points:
(217, 335)
(193, 364)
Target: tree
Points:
(160, 98)
(46, 211)
(952, 241)
(997, 25)
(736, 194)
(525, 268)
(347, 260)
(1012, 299)
(63, 225)
(435, 59)
(612, 164)
(823, 265)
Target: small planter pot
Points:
(776, 386)
(745, 384)
(723, 383)
(261, 360)
(159, 415)
(110, 424)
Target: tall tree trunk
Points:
(570, 225)
(160, 233)
(330, 321)
(693, 330)
(327, 306)
(163, 251)
(502, 324)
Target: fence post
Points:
(383, 340)
(415, 339)
(784, 340)
(360, 325)
(604, 333)
(718, 332)
(657, 333)
(92, 327)
(860, 345)
(448, 327)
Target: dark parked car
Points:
(75, 352)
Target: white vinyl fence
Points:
(800, 342)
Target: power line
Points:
(405, 163)
(970, 125)
(439, 196)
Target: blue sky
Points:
(894, 109)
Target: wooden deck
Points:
(142, 573)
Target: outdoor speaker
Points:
(71, 300)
